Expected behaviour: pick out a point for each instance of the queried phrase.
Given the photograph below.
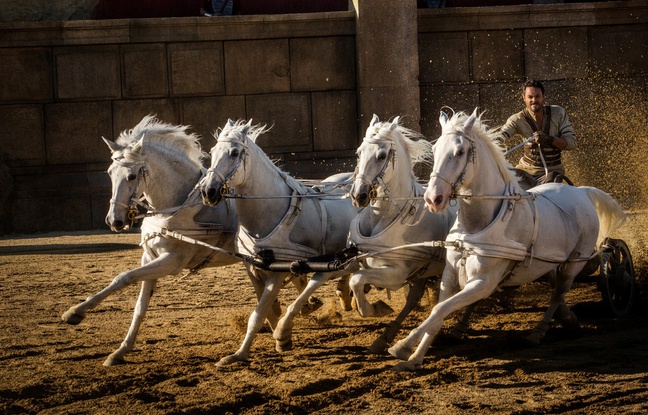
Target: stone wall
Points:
(63, 85)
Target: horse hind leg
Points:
(343, 292)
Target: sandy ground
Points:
(49, 367)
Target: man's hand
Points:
(542, 138)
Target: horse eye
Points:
(381, 156)
(131, 177)
(461, 152)
(234, 153)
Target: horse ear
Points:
(112, 145)
(230, 123)
(471, 120)
(137, 147)
(249, 123)
(394, 124)
(374, 120)
(443, 118)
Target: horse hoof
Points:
(345, 300)
(114, 361)
(379, 346)
(285, 346)
(313, 305)
(228, 360)
(405, 367)
(381, 309)
(72, 317)
(400, 352)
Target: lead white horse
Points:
(281, 219)
(162, 163)
(396, 217)
(503, 235)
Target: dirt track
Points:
(50, 367)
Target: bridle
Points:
(378, 179)
(224, 190)
(135, 199)
(470, 159)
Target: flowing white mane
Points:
(156, 132)
(247, 133)
(487, 137)
(419, 149)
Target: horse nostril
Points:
(118, 224)
(438, 200)
(211, 193)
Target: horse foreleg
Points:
(473, 291)
(413, 298)
(272, 286)
(146, 292)
(313, 303)
(259, 287)
(283, 332)
(343, 291)
(151, 270)
(380, 277)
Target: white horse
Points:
(279, 218)
(503, 235)
(163, 163)
(396, 217)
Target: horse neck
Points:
(260, 216)
(170, 179)
(477, 214)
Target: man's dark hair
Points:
(533, 84)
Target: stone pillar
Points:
(388, 66)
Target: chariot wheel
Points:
(616, 280)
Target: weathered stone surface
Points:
(87, 72)
(145, 71)
(127, 114)
(555, 53)
(257, 66)
(25, 75)
(289, 116)
(444, 57)
(196, 68)
(437, 98)
(322, 64)
(73, 132)
(497, 55)
(36, 10)
(388, 102)
(619, 49)
(335, 120)
(22, 141)
(205, 115)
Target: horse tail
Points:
(610, 213)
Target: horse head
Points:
(227, 161)
(375, 154)
(127, 173)
(453, 158)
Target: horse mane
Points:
(419, 149)
(252, 134)
(171, 137)
(487, 136)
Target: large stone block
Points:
(22, 140)
(499, 101)
(322, 63)
(73, 132)
(497, 55)
(555, 53)
(257, 66)
(619, 49)
(444, 57)
(145, 71)
(25, 75)
(196, 68)
(60, 213)
(127, 114)
(86, 72)
(289, 116)
(335, 120)
(448, 98)
(388, 102)
(205, 115)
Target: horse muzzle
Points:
(360, 195)
(211, 195)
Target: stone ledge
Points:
(532, 16)
(119, 31)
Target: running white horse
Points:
(396, 217)
(281, 219)
(162, 163)
(503, 235)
